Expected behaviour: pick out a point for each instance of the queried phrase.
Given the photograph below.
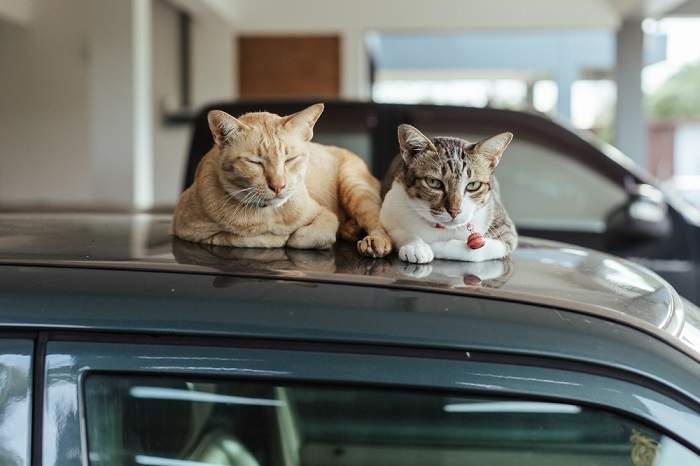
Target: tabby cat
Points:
(265, 184)
(441, 191)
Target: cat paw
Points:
(312, 237)
(374, 245)
(416, 253)
(319, 234)
(457, 250)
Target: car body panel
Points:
(68, 363)
(105, 304)
(539, 272)
(15, 401)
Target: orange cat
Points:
(265, 184)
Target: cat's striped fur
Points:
(435, 188)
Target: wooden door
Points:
(289, 66)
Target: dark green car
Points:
(120, 345)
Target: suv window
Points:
(140, 420)
(546, 189)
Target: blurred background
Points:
(97, 96)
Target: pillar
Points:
(121, 104)
(630, 126)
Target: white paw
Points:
(416, 253)
(457, 250)
(451, 250)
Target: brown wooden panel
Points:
(289, 66)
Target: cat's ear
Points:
(412, 142)
(303, 122)
(492, 148)
(224, 127)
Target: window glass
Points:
(547, 189)
(359, 142)
(544, 188)
(137, 420)
(15, 402)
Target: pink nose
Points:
(276, 187)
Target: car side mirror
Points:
(643, 216)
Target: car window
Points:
(141, 420)
(544, 188)
(15, 401)
(359, 142)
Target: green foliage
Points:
(679, 97)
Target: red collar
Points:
(438, 226)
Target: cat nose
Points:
(454, 212)
(276, 186)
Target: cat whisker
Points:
(235, 193)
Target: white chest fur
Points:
(408, 223)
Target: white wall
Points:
(212, 61)
(211, 80)
(120, 101)
(44, 155)
(169, 142)
(53, 96)
(18, 11)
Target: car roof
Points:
(542, 273)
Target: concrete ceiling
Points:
(447, 15)
(645, 8)
(331, 15)
(16, 11)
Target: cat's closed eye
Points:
(433, 183)
(473, 186)
(254, 162)
(292, 159)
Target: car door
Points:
(15, 401)
(197, 403)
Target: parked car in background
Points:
(557, 184)
(122, 345)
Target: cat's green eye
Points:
(473, 186)
(433, 183)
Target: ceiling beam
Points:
(646, 8)
(686, 9)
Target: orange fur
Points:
(265, 184)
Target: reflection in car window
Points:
(545, 189)
(138, 420)
(358, 142)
